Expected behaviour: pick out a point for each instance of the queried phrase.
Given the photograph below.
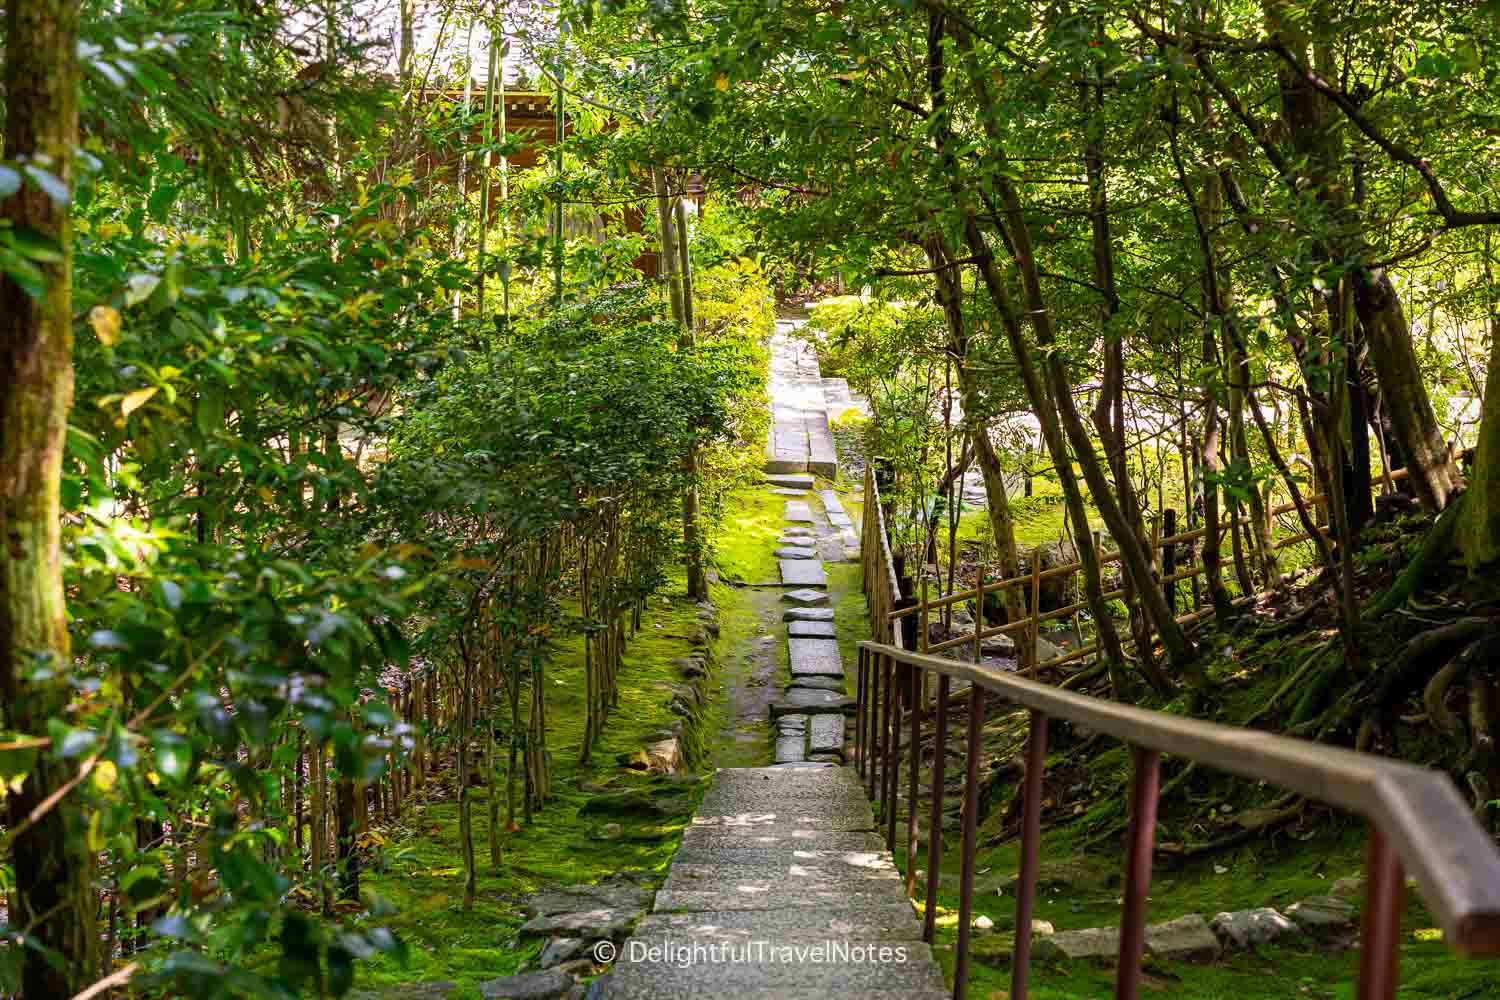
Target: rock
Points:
(608, 831)
(807, 615)
(599, 923)
(1185, 939)
(792, 725)
(1250, 928)
(798, 532)
(984, 923)
(1096, 943)
(560, 950)
(691, 666)
(798, 541)
(1067, 875)
(825, 758)
(791, 749)
(637, 802)
(543, 985)
(434, 990)
(805, 595)
(577, 967)
(624, 891)
(795, 552)
(1321, 914)
(1352, 887)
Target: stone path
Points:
(800, 440)
(782, 888)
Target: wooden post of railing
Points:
(935, 818)
(872, 720)
(978, 615)
(914, 766)
(1169, 560)
(892, 755)
(1145, 786)
(859, 713)
(973, 750)
(1031, 836)
(1034, 654)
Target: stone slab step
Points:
(812, 701)
(839, 520)
(791, 749)
(807, 615)
(826, 734)
(793, 923)
(798, 510)
(814, 657)
(754, 837)
(794, 552)
(796, 480)
(803, 573)
(789, 491)
(876, 900)
(811, 630)
(798, 533)
(805, 596)
(818, 684)
(831, 502)
(799, 541)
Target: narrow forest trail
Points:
(781, 887)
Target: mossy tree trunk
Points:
(52, 894)
(1479, 534)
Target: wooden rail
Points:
(1418, 821)
(1163, 552)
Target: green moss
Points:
(745, 552)
(423, 877)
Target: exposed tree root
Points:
(1434, 548)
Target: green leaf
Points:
(174, 754)
(209, 414)
(36, 246)
(10, 181)
(159, 205)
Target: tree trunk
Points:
(1479, 532)
(52, 895)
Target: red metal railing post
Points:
(915, 768)
(1145, 785)
(973, 749)
(1380, 936)
(935, 822)
(1031, 835)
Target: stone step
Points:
(798, 510)
(803, 573)
(798, 541)
(811, 630)
(818, 683)
(805, 596)
(789, 491)
(791, 749)
(792, 552)
(812, 701)
(831, 502)
(768, 971)
(870, 925)
(839, 520)
(760, 837)
(826, 734)
(796, 480)
(807, 615)
(814, 657)
(798, 532)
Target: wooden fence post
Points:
(1169, 559)
(1034, 654)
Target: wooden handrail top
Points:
(1455, 862)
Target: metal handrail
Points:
(1418, 820)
